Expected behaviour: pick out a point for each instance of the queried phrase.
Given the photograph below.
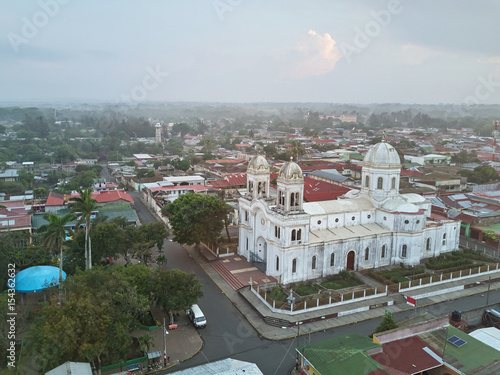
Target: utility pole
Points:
(488, 293)
(165, 333)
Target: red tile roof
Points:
(111, 196)
(218, 184)
(315, 191)
(237, 179)
(407, 356)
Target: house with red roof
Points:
(57, 201)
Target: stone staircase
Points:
(227, 275)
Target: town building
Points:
(376, 226)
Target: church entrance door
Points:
(350, 260)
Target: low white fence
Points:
(443, 278)
(314, 304)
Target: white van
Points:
(196, 316)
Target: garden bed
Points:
(340, 283)
(400, 274)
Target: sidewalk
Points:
(255, 311)
(182, 343)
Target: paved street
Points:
(228, 333)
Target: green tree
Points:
(142, 239)
(93, 324)
(181, 128)
(386, 324)
(297, 150)
(84, 205)
(175, 289)
(183, 164)
(196, 218)
(53, 237)
(481, 174)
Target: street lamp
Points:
(165, 333)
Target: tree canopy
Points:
(481, 174)
(196, 218)
(113, 300)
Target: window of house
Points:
(314, 262)
(393, 183)
(332, 259)
(383, 251)
(367, 253)
(367, 181)
(294, 265)
(404, 251)
(428, 244)
(380, 183)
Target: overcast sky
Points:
(371, 51)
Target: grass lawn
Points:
(305, 290)
(340, 283)
(277, 294)
(398, 275)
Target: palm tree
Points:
(53, 236)
(84, 205)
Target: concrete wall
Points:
(474, 316)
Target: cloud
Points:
(313, 55)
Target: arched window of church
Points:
(367, 181)
(383, 251)
(292, 200)
(428, 245)
(404, 251)
(314, 262)
(380, 183)
(367, 253)
(299, 234)
(294, 235)
(393, 183)
(296, 199)
(444, 239)
(246, 215)
(294, 265)
(277, 263)
(250, 186)
(247, 243)
(332, 259)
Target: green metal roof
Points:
(473, 357)
(341, 355)
(129, 214)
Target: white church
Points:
(372, 227)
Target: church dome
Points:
(290, 170)
(382, 155)
(258, 162)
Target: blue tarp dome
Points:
(37, 278)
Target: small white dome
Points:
(413, 198)
(408, 207)
(382, 155)
(290, 170)
(258, 162)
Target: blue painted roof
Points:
(36, 279)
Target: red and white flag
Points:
(411, 301)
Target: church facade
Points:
(368, 228)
